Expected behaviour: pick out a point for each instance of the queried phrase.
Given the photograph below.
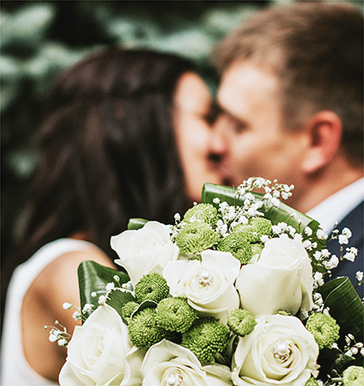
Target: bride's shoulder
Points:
(60, 278)
(56, 284)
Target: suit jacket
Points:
(355, 222)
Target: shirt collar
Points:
(338, 205)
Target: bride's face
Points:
(193, 117)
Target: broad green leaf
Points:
(93, 278)
(281, 213)
(136, 223)
(345, 306)
(117, 298)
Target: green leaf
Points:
(345, 306)
(276, 214)
(337, 361)
(145, 304)
(136, 223)
(117, 299)
(93, 277)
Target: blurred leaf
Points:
(22, 162)
(221, 20)
(8, 94)
(192, 43)
(30, 21)
(10, 67)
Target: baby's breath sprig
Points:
(254, 183)
(79, 314)
(314, 240)
(360, 277)
(61, 336)
(273, 191)
(343, 239)
(352, 347)
(350, 254)
(282, 190)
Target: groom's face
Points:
(250, 125)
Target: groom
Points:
(291, 101)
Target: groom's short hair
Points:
(316, 51)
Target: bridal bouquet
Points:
(236, 292)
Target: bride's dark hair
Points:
(107, 150)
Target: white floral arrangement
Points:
(237, 292)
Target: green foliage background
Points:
(40, 38)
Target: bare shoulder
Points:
(59, 279)
(43, 303)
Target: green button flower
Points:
(324, 329)
(353, 376)
(195, 237)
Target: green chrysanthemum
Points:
(283, 313)
(255, 229)
(143, 329)
(195, 237)
(207, 339)
(241, 322)
(201, 212)
(353, 376)
(153, 287)
(312, 382)
(175, 314)
(128, 309)
(237, 244)
(324, 329)
(257, 249)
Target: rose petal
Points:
(255, 364)
(143, 249)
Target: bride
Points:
(125, 135)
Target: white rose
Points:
(279, 351)
(167, 362)
(281, 280)
(101, 353)
(208, 285)
(142, 250)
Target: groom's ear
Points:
(323, 134)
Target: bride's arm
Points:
(43, 305)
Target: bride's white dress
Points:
(15, 370)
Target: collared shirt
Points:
(337, 206)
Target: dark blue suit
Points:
(355, 222)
